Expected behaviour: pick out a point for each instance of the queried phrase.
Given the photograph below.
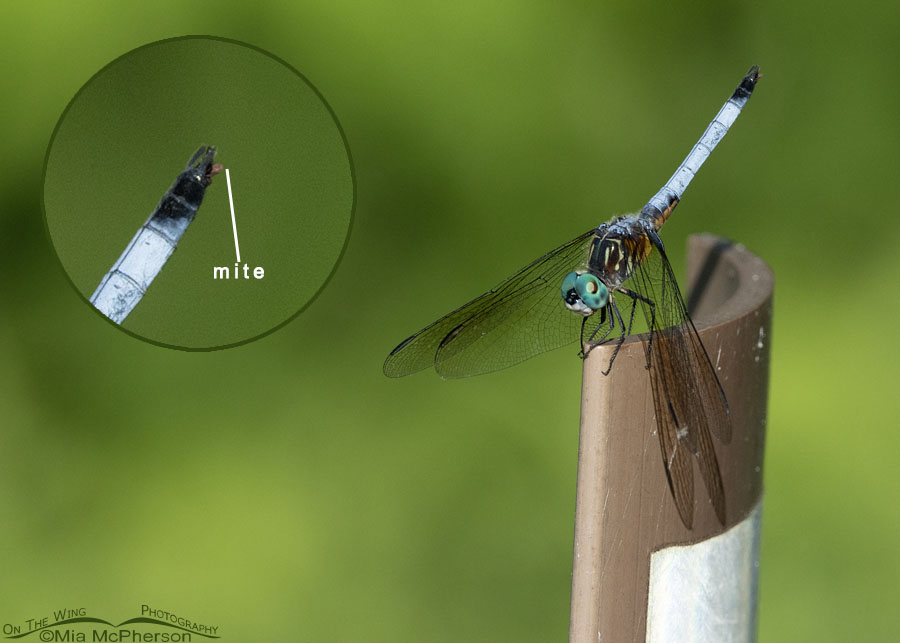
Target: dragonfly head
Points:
(583, 293)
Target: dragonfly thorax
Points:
(616, 252)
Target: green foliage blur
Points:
(287, 489)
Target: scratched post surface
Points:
(624, 509)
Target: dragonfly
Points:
(123, 287)
(588, 289)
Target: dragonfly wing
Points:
(679, 471)
(702, 398)
(689, 401)
(417, 352)
(522, 316)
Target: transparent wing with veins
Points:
(689, 401)
(519, 318)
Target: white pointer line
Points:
(237, 248)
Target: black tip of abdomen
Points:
(748, 83)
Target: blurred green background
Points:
(286, 488)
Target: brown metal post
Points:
(624, 510)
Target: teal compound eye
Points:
(568, 287)
(584, 290)
(592, 291)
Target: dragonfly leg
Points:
(635, 297)
(581, 353)
(622, 336)
(603, 337)
(603, 313)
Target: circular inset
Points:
(198, 116)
